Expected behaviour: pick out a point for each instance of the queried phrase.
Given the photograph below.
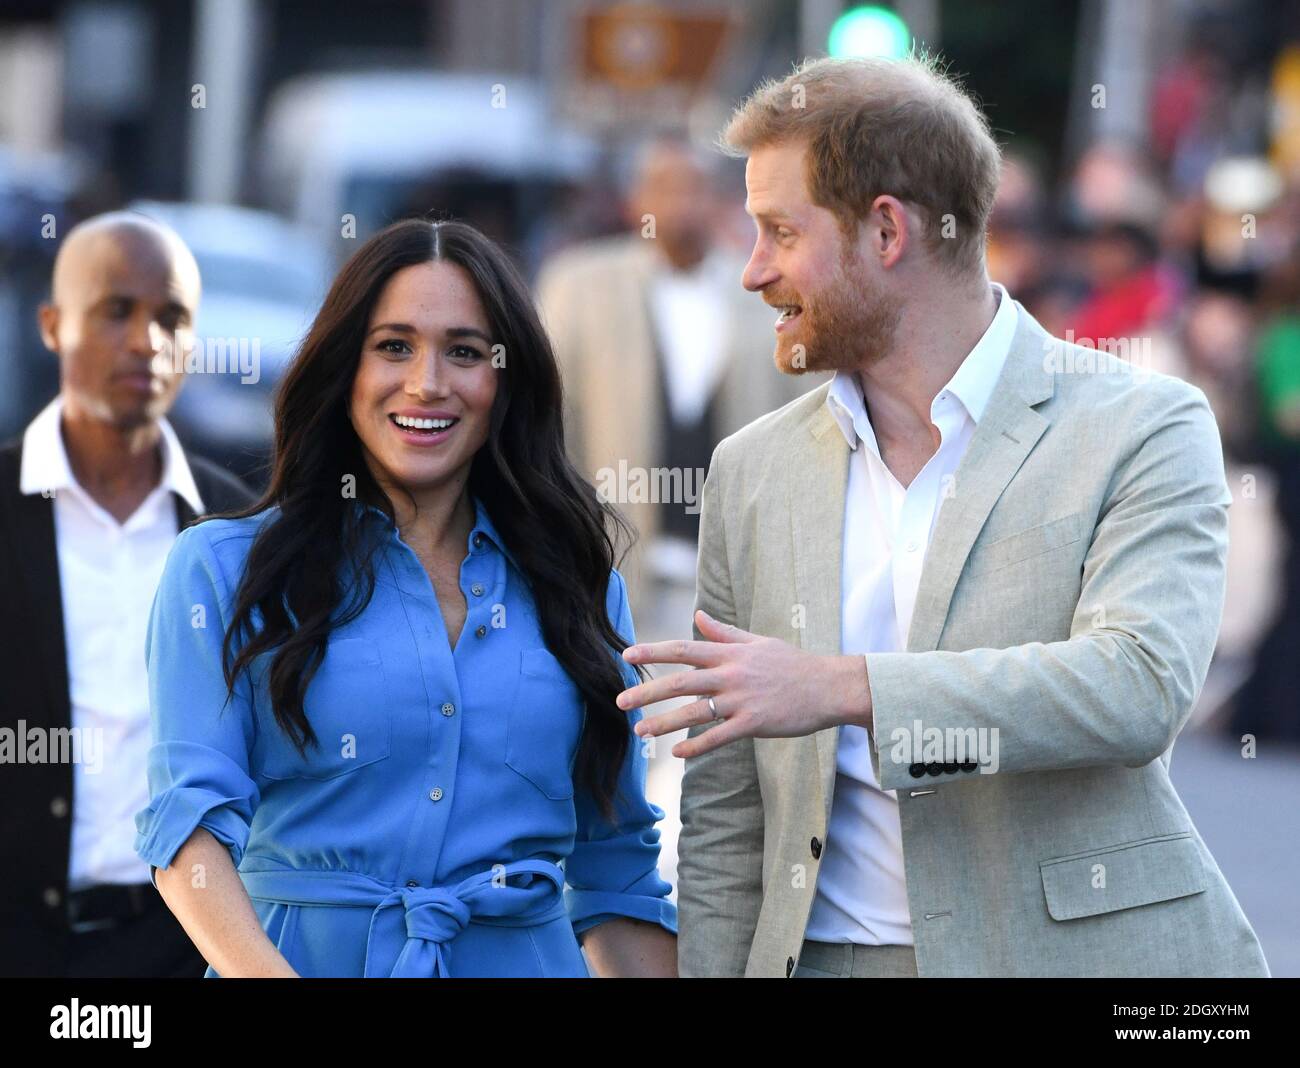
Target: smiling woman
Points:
(423, 394)
(354, 737)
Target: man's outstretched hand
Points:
(761, 688)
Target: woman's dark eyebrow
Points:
(401, 328)
(468, 331)
(454, 331)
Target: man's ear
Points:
(47, 317)
(890, 229)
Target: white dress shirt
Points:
(689, 309)
(108, 572)
(861, 890)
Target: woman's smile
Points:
(423, 428)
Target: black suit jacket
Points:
(36, 799)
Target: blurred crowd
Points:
(1182, 254)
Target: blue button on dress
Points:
(436, 830)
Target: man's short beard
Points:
(844, 327)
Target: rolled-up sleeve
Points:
(614, 868)
(199, 759)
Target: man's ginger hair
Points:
(901, 127)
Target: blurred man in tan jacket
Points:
(662, 353)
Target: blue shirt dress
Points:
(434, 830)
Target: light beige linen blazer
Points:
(1068, 608)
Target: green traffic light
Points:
(869, 31)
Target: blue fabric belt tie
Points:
(423, 919)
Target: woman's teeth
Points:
(408, 423)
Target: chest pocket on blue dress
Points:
(545, 724)
(346, 704)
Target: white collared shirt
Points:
(108, 572)
(861, 890)
(692, 327)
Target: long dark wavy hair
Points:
(311, 569)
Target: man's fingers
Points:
(717, 631)
(667, 722)
(666, 687)
(677, 651)
(726, 732)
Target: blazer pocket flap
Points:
(1025, 544)
(1123, 877)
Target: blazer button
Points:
(969, 765)
(916, 770)
(59, 807)
(951, 768)
(52, 897)
(789, 967)
(816, 849)
(934, 769)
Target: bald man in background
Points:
(91, 499)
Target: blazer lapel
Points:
(34, 516)
(816, 477)
(1007, 432)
